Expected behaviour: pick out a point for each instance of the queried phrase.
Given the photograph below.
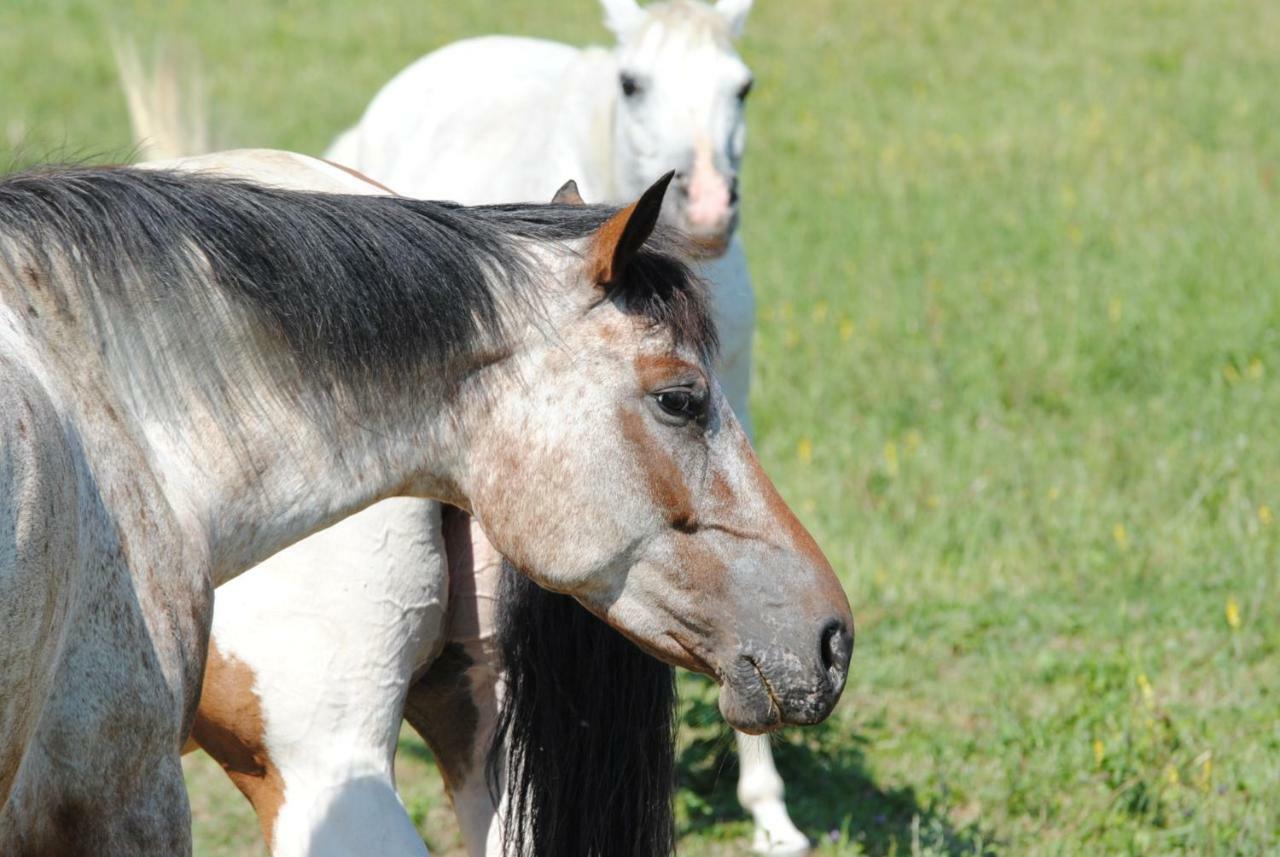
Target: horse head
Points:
(681, 94)
(690, 551)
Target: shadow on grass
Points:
(830, 794)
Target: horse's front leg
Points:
(760, 792)
(454, 706)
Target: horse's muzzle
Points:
(706, 211)
(771, 687)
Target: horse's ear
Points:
(735, 12)
(617, 242)
(621, 16)
(568, 194)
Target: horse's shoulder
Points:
(36, 465)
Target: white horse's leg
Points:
(312, 653)
(760, 791)
(454, 706)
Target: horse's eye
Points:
(681, 404)
(630, 86)
(745, 90)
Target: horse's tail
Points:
(584, 752)
(166, 103)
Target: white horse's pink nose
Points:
(710, 199)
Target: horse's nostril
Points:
(733, 191)
(836, 647)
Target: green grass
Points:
(1017, 360)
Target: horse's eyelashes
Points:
(745, 90)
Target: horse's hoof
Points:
(790, 846)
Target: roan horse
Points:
(197, 372)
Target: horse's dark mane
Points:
(585, 743)
(355, 285)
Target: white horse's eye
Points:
(745, 90)
(630, 86)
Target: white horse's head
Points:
(681, 91)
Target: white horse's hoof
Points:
(787, 846)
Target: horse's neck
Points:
(590, 129)
(285, 471)
(248, 464)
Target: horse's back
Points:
(491, 119)
(275, 168)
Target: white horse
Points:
(198, 372)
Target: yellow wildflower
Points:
(891, 458)
(1255, 369)
(1099, 752)
(1206, 772)
(1171, 774)
(1115, 309)
(1233, 613)
(804, 450)
(1148, 692)
(1264, 515)
(846, 329)
(1121, 536)
(820, 311)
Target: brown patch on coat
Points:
(654, 371)
(442, 708)
(721, 491)
(360, 176)
(32, 276)
(665, 480)
(827, 591)
(230, 727)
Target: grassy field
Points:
(1017, 362)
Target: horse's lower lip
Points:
(747, 701)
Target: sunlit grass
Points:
(1019, 276)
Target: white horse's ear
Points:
(568, 194)
(621, 16)
(735, 12)
(617, 242)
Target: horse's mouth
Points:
(710, 245)
(748, 701)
